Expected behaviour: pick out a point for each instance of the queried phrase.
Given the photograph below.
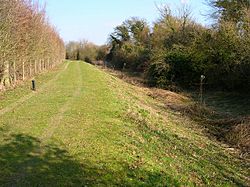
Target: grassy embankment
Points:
(85, 127)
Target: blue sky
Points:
(94, 20)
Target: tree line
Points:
(176, 51)
(85, 51)
(28, 43)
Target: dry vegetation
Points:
(29, 44)
(234, 131)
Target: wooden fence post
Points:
(201, 88)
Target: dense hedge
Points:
(178, 50)
(28, 43)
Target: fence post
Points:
(33, 85)
(201, 88)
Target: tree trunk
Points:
(48, 64)
(23, 70)
(41, 65)
(14, 72)
(35, 67)
(5, 81)
(30, 70)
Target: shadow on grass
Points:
(234, 104)
(24, 161)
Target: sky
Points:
(94, 20)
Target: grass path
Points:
(84, 127)
(24, 98)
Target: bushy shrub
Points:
(179, 50)
(130, 45)
(88, 60)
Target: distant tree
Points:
(82, 50)
(121, 34)
(129, 45)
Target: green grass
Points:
(86, 127)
